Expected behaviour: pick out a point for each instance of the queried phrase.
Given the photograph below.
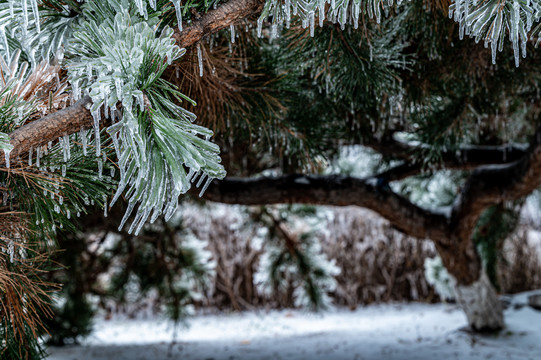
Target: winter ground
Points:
(383, 332)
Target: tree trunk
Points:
(473, 290)
(481, 304)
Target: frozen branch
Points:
(218, 19)
(77, 116)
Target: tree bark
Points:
(481, 304)
(218, 19)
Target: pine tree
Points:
(103, 100)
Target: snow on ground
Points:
(383, 332)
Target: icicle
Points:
(105, 206)
(232, 28)
(67, 148)
(152, 4)
(64, 169)
(515, 20)
(118, 88)
(38, 157)
(61, 200)
(30, 156)
(322, 12)
(34, 4)
(11, 250)
(195, 175)
(100, 169)
(191, 173)
(201, 179)
(84, 141)
(529, 21)
(178, 11)
(205, 187)
(312, 23)
(97, 117)
(5, 41)
(259, 26)
(200, 59)
(25, 15)
(6, 156)
(141, 6)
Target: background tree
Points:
(397, 78)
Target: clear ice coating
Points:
(154, 167)
(7, 153)
(232, 30)
(178, 11)
(200, 60)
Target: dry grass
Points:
(520, 269)
(377, 263)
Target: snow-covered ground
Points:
(399, 331)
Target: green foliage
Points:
(493, 227)
(122, 61)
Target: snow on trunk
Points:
(481, 304)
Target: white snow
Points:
(399, 331)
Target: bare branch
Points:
(218, 19)
(333, 190)
(50, 127)
(467, 157)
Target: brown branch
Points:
(216, 20)
(51, 127)
(490, 185)
(467, 157)
(333, 190)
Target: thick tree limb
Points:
(490, 185)
(218, 19)
(333, 190)
(467, 157)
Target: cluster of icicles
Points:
(340, 11)
(488, 21)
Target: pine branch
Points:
(77, 116)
